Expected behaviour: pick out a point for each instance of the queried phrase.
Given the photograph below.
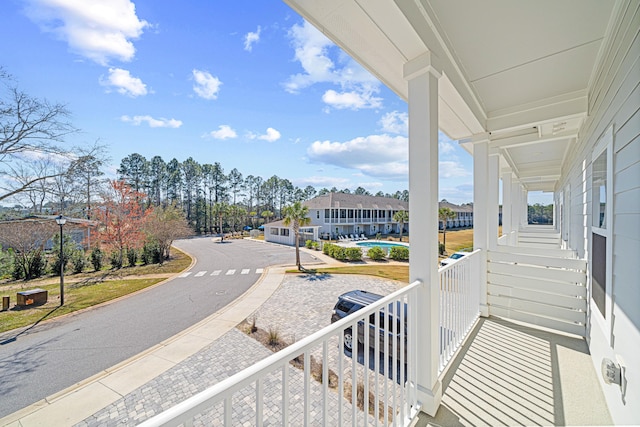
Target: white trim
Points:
(604, 144)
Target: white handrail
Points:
(459, 303)
(184, 412)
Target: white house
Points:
(463, 214)
(546, 96)
(277, 232)
(344, 214)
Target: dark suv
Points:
(353, 301)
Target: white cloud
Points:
(154, 123)
(452, 169)
(124, 83)
(206, 86)
(271, 135)
(380, 156)
(96, 29)
(375, 155)
(395, 122)
(351, 100)
(313, 50)
(251, 38)
(223, 132)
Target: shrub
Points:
(78, 261)
(115, 259)
(273, 336)
(399, 253)
(326, 248)
(68, 249)
(308, 244)
(151, 254)
(97, 258)
(132, 257)
(30, 267)
(6, 262)
(338, 252)
(376, 253)
(315, 245)
(353, 254)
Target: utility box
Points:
(32, 297)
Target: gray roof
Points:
(355, 201)
(455, 208)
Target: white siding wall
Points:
(285, 240)
(614, 100)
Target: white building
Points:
(546, 97)
(345, 214)
(277, 232)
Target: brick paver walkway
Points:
(301, 306)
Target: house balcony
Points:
(493, 370)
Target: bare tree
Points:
(28, 170)
(28, 125)
(164, 225)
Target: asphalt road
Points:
(56, 354)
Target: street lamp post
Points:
(61, 221)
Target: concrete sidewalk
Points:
(84, 399)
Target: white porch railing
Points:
(382, 370)
(459, 303)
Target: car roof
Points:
(360, 297)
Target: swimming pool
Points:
(385, 245)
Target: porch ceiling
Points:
(511, 69)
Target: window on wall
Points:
(599, 188)
(274, 231)
(284, 231)
(601, 210)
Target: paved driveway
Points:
(57, 354)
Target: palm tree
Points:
(266, 215)
(296, 215)
(445, 214)
(401, 217)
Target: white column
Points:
(493, 200)
(524, 219)
(515, 209)
(480, 214)
(506, 204)
(423, 219)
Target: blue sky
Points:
(245, 83)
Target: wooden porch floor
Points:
(509, 374)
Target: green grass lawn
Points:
(393, 272)
(85, 290)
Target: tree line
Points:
(212, 198)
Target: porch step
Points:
(542, 251)
(539, 237)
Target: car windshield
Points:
(456, 256)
